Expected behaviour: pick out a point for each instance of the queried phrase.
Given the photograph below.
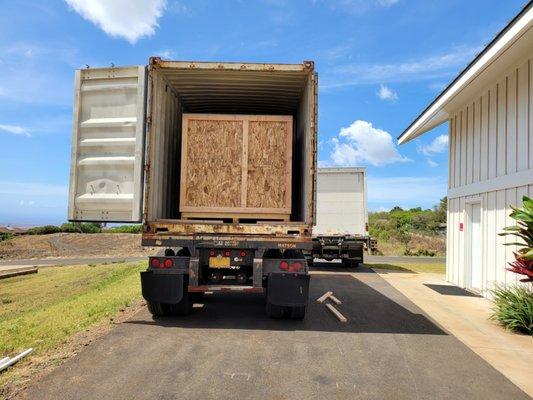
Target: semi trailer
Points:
(147, 148)
(341, 231)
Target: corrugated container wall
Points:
(491, 168)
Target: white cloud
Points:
(437, 146)
(166, 54)
(15, 130)
(432, 163)
(361, 143)
(427, 67)
(129, 19)
(405, 191)
(386, 93)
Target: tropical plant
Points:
(513, 308)
(523, 231)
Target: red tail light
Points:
(284, 265)
(168, 263)
(155, 263)
(227, 253)
(297, 266)
(243, 253)
(212, 253)
(366, 227)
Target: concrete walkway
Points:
(467, 318)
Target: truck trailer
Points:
(341, 231)
(147, 148)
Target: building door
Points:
(474, 247)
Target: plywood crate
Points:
(236, 166)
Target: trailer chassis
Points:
(187, 268)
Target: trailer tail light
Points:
(227, 253)
(212, 253)
(296, 267)
(155, 263)
(366, 227)
(243, 253)
(284, 265)
(168, 263)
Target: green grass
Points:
(44, 310)
(436, 268)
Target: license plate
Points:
(219, 262)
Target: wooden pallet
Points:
(235, 217)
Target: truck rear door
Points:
(106, 175)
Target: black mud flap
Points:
(288, 290)
(162, 288)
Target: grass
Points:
(513, 309)
(46, 309)
(436, 268)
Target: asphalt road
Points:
(97, 260)
(229, 349)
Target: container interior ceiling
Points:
(174, 91)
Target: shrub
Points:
(125, 229)
(6, 236)
(43, 230)
(513, 308)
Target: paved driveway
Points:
(229, 350)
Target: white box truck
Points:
(341, 230)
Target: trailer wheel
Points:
(154, 308)
(297, 312)
(184, 307)
(274, 311)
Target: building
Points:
(489, 111)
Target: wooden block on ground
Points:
(337, 313)
(335, 300)
(322, 298)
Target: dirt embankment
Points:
(72, 245)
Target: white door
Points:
(474, 253)
(106, 172)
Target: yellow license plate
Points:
(219, 262)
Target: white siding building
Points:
(489, 109)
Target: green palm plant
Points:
(523, 230)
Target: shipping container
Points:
(126, 164)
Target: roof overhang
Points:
(512, 43)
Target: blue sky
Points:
(380, 62)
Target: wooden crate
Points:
(236, 166)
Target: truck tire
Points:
(274, 311)
(349, 263)
(297, 312)
(154, 308)
(184, 307)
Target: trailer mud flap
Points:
(162, 288)
(288, 290)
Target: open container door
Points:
(106, 175)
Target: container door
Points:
(107, 157)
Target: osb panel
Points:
(269, 164)
(213, 163)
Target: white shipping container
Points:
(341, 207)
